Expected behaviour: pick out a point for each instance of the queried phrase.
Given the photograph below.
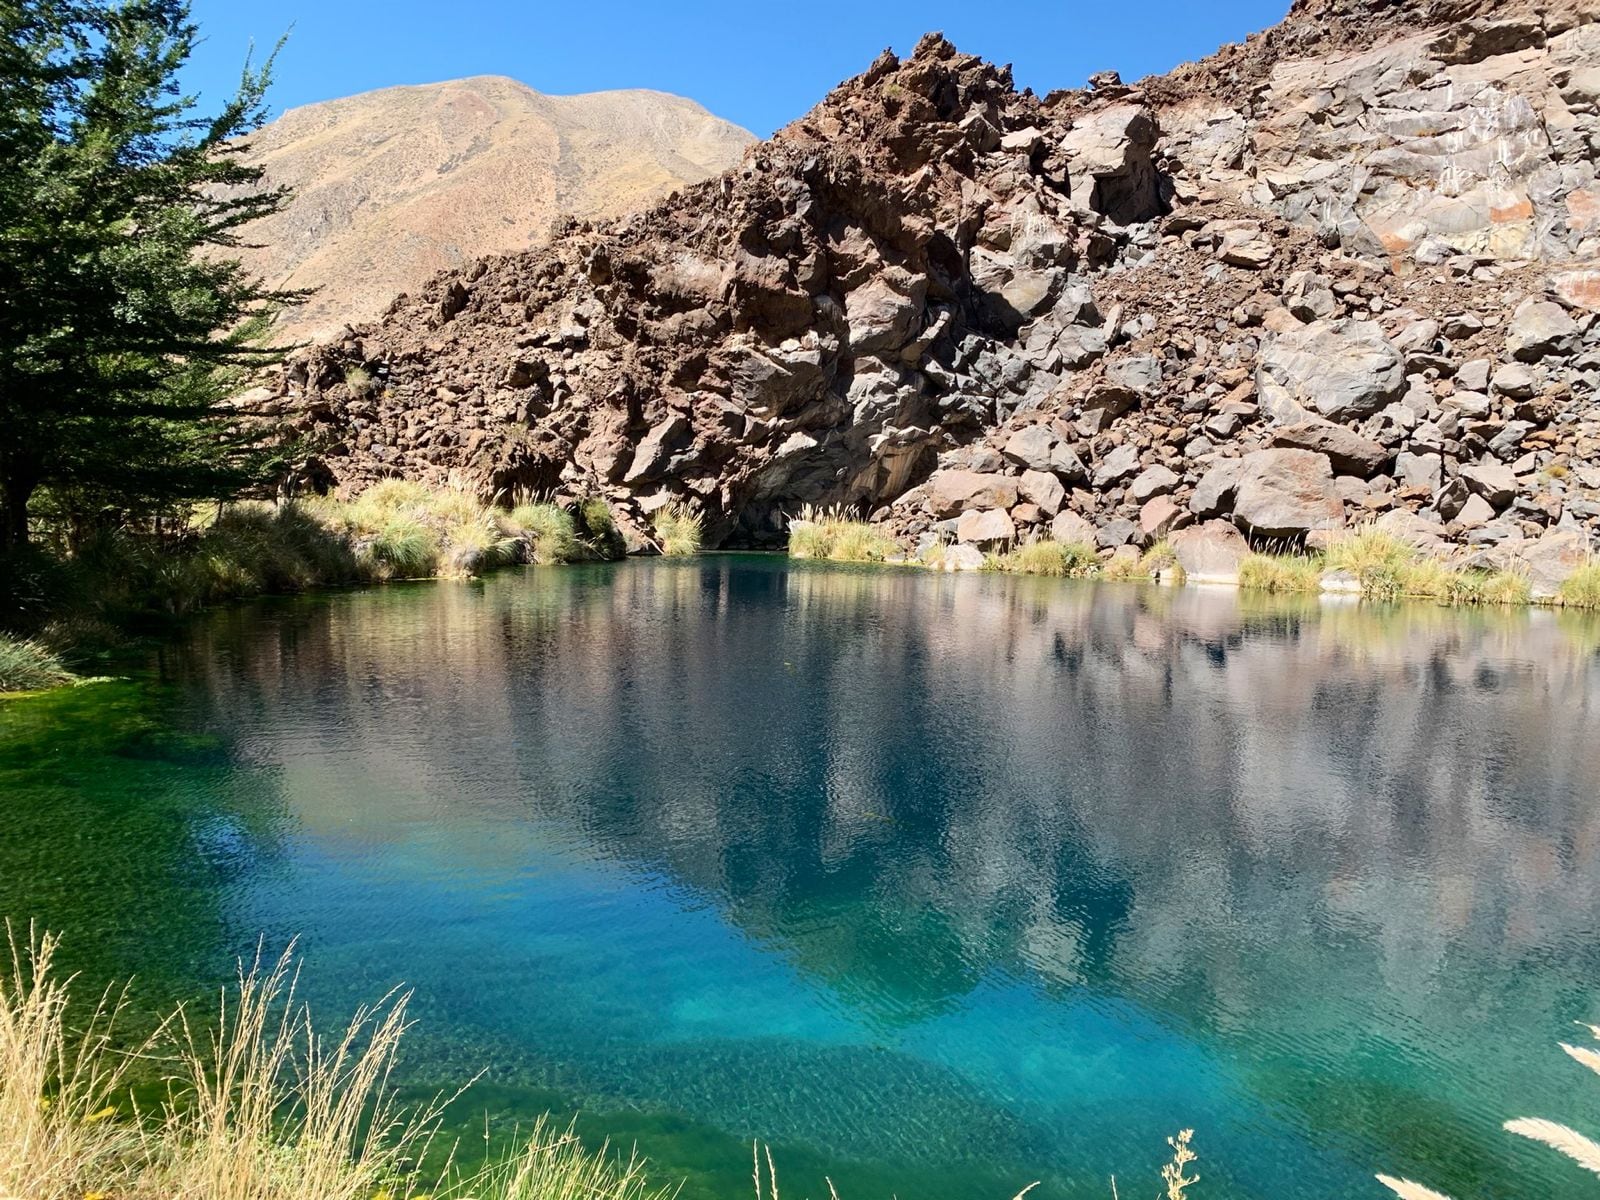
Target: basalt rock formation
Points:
(1348, 270)
(393, 186)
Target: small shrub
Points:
(1281, 573)
(679, 531)
(1581, 589)
(358, 380)
(26, 666)
(1126, 568)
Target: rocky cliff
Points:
(392, 187)
(1348, 270)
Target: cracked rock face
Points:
(1344, 272)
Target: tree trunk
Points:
(14, 497)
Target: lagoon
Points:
(940, 884)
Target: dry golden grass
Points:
(834, 534)
(258, 1105)
(58, 1089)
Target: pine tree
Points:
(124, 320)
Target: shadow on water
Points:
(942, 884)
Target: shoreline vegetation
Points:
(62, 610)
(1367, 563)
(258, 1103)
(66, 610)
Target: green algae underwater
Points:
(939, 884)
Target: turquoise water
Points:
(939, 884)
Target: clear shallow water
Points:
(941, 885)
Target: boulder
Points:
(1214, 494)
(1418, 470)
(1116, 466)
(1031, 447)
(1070, 528)
(961, 558)
(1043, 489)
(1287, 493)
(1309, 296)
(950, 493)
(986, 528)
(1540, 328)
(1347, 450)
(1157, 517)
(1210, 552)
(1154, 480)
(1343, 370)
(1552, 559)
(1492, 480)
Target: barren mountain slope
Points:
(396, 185)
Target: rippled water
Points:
(940, 884)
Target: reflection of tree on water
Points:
(1329, 835)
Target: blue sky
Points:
(757, 63)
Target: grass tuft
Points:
(1581, 589)
(1281, 573)
(1063, 560)
(679, 531)
(549, 528)
(836, 535)
(27, 666)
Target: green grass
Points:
(26, 666)
(550, 529)
(120, 582)
(679, 531)
(1582, 588)
(835, 535)
(1280, 573)
(1065, 560)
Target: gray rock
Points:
(1309, 296)
(1213, 496)
(1210, 552)
(1540, 328)
(1414, 530)
(1286, 493)
(1153, 481)
(1473, 376)
(1552, 559)
(1044, 489)
(1492, 480)
(1474, 513)
(656, 449)
(950, 493)
(1031, 447)
(986, 528)
(1347, 450)
(1418, 470)
(1116, 466)
(1070, 528)
(1515, 380)
(1114, 533)
(1344, 370)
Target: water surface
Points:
(940, 884)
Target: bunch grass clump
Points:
(1581, 589)
(28, 666)
(838, 536)
(549, 528)
(1279, 573)
(1062, 560)
(679, 531)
